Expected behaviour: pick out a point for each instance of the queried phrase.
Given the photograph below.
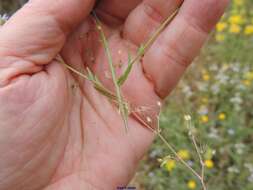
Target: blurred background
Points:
(217, 92)
(10, 6)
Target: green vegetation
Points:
(10, 6)
(217, 93)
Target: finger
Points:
(147, 17)
(179, 44)
(114, 12)
(38, 31)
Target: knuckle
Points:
(174, 57)
(152, 12)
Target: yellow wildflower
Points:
(222, 116)
(220, 37)
(204, 100)
(170, 165)
(209, 164)
(184, 154)
(238, 2)
(248, 30)
(206, 77)
(246, 82)
(191, 184)
(236, 19)
(225, 66)
(204, 118)
(249, 75)
(235, 29)
(221, 26)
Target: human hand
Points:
(56, 130)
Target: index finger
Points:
(177, 46)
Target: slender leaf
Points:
(125, 75)
(122, 108)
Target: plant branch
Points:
(122, 107)
(189, 126)
(147, 45)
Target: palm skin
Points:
(56, 130)
(70, 127)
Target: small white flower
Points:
(223, 79)
(215, 89)
(187, 91)
(249, 166)
(159, 104)
(203, 110)
(240, 145)
(239, 148)
(190, 163)
(4, 17)
(213, 134)
(236, 100)
(231, 132)
(149, 120)
(202, 86)
(233, 169)
(187, 118)
(250, 178)
(155, 153)
(151, 174)
(235, 67)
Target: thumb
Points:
(38, 31)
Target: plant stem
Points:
(177, 156)
(158, 133)
(122, 107)
(144, 48)
(71, 68)
(154, 36)
(202, 179)
(97, 85)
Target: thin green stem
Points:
(71, 68)
(122, 108)
(177, 156)
(147, 45)
(142, 50)
(202, 179)
(97, 85)
(158, 133)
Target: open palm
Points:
(56, 130)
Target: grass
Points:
(124, 111)
(120, 81)
(217, 93)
